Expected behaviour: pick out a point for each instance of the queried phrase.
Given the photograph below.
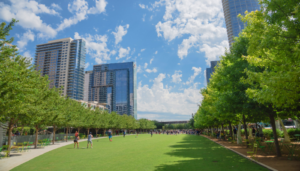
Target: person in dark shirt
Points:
(234, 132)
(124, 133)
(109, 135)
(151, 132)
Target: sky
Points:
(171, 41)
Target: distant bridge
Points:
(173, 122)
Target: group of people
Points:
(89, 141)
(109, 133)
(255, 132)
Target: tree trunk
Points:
(97, 129)
(22, 130)
(286, 135)
(10, 128)
(245, 128)
(272, 121)
(104, 132)
(36, 136)
(67, 134)
(230, 129)
(54, 129)
(239, 137)
(88, 131)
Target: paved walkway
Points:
(17, 159)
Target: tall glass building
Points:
(114, 85)
(211, 70)
(232, 8)
(63, 61)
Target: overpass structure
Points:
(173, 122)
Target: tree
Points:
(277, 28)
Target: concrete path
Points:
(17, 159)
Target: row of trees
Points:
(26, 100)
(258, 79)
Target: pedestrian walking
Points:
(124, 133)
(151, 132)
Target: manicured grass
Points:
(160, 153)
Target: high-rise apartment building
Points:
(211, 70)
(63, 61)
(114, 85)
(86, 85)
(232, 8)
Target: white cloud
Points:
(212, 52)
(201, 20)
(87, 65)
(120, 32)
(142, 50)
(144, 16)
(176, 77)
(145, 75)
(26, 12)
(151, 17)
(123, 52)
(133, 51)
(113, 52)
(96, 30)
(27, 36)
(185, 46)
(162, 100)
(56, 6)
(142, 6)
(154, 70)
(139, 69)
(96, 46)
(99, 8)
(156, 52)
(178, 64)
(145, 66)
(28, 56)
(151, 60)
(81, 10)
(197, 71)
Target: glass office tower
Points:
(63, 61)
(114, 85)
(232, 8)
(211, 70)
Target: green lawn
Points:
(160, 153)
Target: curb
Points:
(268, 167)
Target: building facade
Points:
(114, 85)
(211, 70)
(86, 85)
(63, 61)
(232, 8)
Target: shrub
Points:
(292, 132)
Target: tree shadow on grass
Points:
(202, 154)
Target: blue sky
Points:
(171, 41)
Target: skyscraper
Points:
(114, 85)
(211, 70)
(63, 61)
(231, 9)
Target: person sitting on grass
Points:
(90, 136)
